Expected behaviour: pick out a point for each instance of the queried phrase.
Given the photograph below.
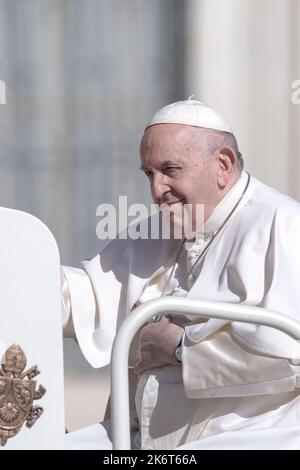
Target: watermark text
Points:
(176, 220)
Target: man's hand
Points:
(158, 342)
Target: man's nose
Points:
(159, 186)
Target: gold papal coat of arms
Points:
(17, 392)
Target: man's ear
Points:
(226, 160)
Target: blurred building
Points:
(84, 76)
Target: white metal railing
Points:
(162, 306)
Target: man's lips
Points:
(170, 203)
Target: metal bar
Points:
(161, 306)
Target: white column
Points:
(242, 57)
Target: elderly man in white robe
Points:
(202, 384)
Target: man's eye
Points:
(148, 173)
(170, 169)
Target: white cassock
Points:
(238, 386)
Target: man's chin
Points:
(181, 229)
(178, 222)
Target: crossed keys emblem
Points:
(17, 393)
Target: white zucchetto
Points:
(191, 113)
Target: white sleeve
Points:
(79, 305)
(65, 300)
(221, 367)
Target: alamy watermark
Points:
(295, 97)
(176, 220)
(2, 92)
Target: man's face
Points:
(178, 169)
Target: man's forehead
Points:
(172, 134)
(176, 143)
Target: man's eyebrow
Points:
(165, 163)
(172, 162)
